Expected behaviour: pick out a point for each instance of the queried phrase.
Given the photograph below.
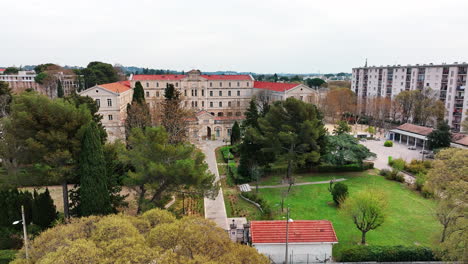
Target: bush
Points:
(388, 143)
(385, 172)
(263, 203)
(390, 161)
(398, 164)
(6, 256)
(10, 238)
(395, 175)
(420, 181)
(226, 151)
(343, 168)
(387, 254)
(418, 166)
(367, 165)
(339, 192)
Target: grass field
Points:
(409, 220)
(7, 255)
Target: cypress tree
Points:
(235, 134)
(138, 93)
(44, 211)
(251, 115)
(59, 89)
(94, 196)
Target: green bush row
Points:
(263, 203)
(393, 175)
(343, 168)
(387, 254)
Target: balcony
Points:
(458, 105)
(461, 88)
(459, 98)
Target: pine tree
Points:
(59, 89)
(173, 117)
(94, 196)
(251, 115)
(44, 211)
(138, 93)
(235, 134)
(440, 137)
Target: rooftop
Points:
(420, 130)
(177, 77)
(300, 231)
(117, 87)
(275, 86)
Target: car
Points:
(430, 156)
(424, 152)
(412, 148)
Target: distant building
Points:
(448, 80)
(2, 71)
(112, 99)
(308, 240)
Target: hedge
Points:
(343, 168)
(387, 254)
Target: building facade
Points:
(112, 99)
(449, 81)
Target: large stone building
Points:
(448, 80)
(112, 99)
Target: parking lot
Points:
(397, 151)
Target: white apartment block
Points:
(448, 80)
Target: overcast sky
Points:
(265, 36)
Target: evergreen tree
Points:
(251, 115)
(44, 211)
(138, 93)
(94, 196)
(174, 116)
(440, 137)
(59, 89)
(235, 134)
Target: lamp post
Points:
(25, 234)
(287, 235)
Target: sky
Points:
(263, 36)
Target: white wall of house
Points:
(315, 252)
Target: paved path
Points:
(214, 209)
(298, 184)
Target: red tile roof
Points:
(2, 70)
(460, 139)
(274, 86)
(424, 131)
(117, 87)
(176, 77)
(300, 231)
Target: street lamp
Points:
(25, 234)
(288, 220)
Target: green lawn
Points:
(303, 177)
(409, 221)
(7, 255)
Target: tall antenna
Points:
(366, 63)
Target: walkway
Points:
(214, 209)
(298, 184)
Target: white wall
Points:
(299, 251)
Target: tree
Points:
(98, 73)
(48, 133)
(341, 127)
(292, 130)
(448, 180)
(367, 210)
(116, 174)
(251, 115)
(11, 70)
(154, 237)
(345, 149)
(138, 93)
(44, 212)
(339, 193)
(161, 167)
(59, 89)
(440, 137)
(174, 116)
(339, 101)
(235, 134)
(315, 82)
(94, 196)
(5, 99)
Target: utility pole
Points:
(287, 236)
(25, 234)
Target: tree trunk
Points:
(65, 200)
(141, 198)
(442, 238)
(363, 238)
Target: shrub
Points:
(395, 175)
(399, 164)
(263, 204)
(387, 254)
(385, 172)
(226, 151)
(388, 143)
(390, 161)
(418, 166)
(420, 181)
(339, 192)
(367, 165)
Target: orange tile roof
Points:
(300, 231)
(275, 86)
(460, 139)
(424, 131)
(117, 87)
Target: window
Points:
(211, 104)
(229, 93)
(185, 92)
(220, 104)
(220, 84)
(176, 84)
(192, 93)
(202, 92)
(220, 93)
(193, 104)
(238, 113)
(238, 93)
(238, 103)
(147, 94)
(229, 84)
(229, 130)
(218, 132)
(196, 103)
(110, 117)
(247, 84)
(147, 84)
(157, 84)
(302, 98)
(211, 93)
(196, 93)
(109, 102)
(238, 84)
(157, 94)
(229, 104)
(211, 84)
(220, 113)
(203, 103)
(229, 114)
